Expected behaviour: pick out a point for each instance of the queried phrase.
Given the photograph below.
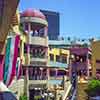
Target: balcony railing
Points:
(37, 82)
(57, 64)
(38, 55)
(41, 41)
(38, 59)
(34, 77)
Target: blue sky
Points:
(80, 18)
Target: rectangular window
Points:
(26, 26)
(51, 57)
(89, 56)
(58, 58)
(52, 73)
(41, 32)
(64, 59)
(18, 52)
(25, 48)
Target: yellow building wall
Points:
(95, 56)
(57, 51)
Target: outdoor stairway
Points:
(81, 95)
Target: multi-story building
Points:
(58, 63)
(53, 19)
(95, 59)
(58, 60)
(79, 49)
(36, 49)
(81, 61)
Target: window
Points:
(58, 58)
(26, 26)
(18, 52)
(89, 56)
(77, 58)
(41, 32)
(84, 58)
(51, 57)
(23, 72)
(61, 72)
(25, 48)
(52, 73)
(64, 58)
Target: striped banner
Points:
(11, 59)
(7, 58)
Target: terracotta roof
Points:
(32, 13)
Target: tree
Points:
(93, 88)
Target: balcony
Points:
(57, 64)
(40, 41)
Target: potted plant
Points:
(93, 89)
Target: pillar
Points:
(88, 72)
(22, 51)
(41, 73)
(45, 31)
(93, 67)
(48, 73)
(56, 72)
(28, 62)
(26, 84)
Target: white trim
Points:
(34, 20)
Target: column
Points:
(70, 68)
(87, 59)
(45, 31)
(27, 63)
(28, 41)
(93, 67)
(56, 72)
(26, 84)
(22, 51)
(41, 73)
(48, 73)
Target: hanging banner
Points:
(11, 59)
(7, 59)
